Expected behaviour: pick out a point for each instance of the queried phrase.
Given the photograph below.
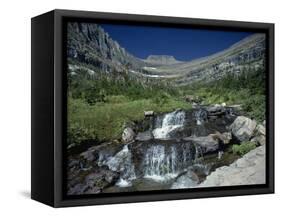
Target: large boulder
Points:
(260, 133)
(206, 143)
(243, 128)
(128, 135)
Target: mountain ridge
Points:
(89, 44)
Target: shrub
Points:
(243, 148)
(76, 134)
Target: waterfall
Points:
(165, 162)
(200, 115)
(122, 162)
(170, 122)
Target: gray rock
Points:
(128, 135)
(260, 134)
(226, 137)
(144, 136)
(260, 130)
(148, 113)
(250, 169)
(260, 140)
(94, 182)
(243, 128)
(186, 180)
(206, 143)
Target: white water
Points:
(163, 163)
(200, 116)
(170, 122)
(123, 183)
(122, 162)
(159, 165)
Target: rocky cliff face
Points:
(161, 60)
(90, 44)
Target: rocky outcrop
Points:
(88, 43)
(243, 128)
(248, 170)
(94, 182)
(128, 135)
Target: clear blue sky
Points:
(183, 44)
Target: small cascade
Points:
(165, 162)
(170, 122)
(201, 115)
(122, 162)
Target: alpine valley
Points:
(160, 123)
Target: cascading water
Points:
(200, 115)
(170, 122)
(122, 162)
(172, 157)
(165, 162)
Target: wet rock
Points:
(186, 180)
(128, 135)
(90, 155)
(206, 143)
(93, 182)
(101, 152)
(144, 136)
(122, 163)
(215, 110)
(243, 128)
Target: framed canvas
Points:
(133, 108)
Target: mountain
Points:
(161, 60)
(245, 55)
(91, 48)
(89, 44)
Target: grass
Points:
(105, 121)
(243, 148)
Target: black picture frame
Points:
(49, 109)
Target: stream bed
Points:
(176, 150)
